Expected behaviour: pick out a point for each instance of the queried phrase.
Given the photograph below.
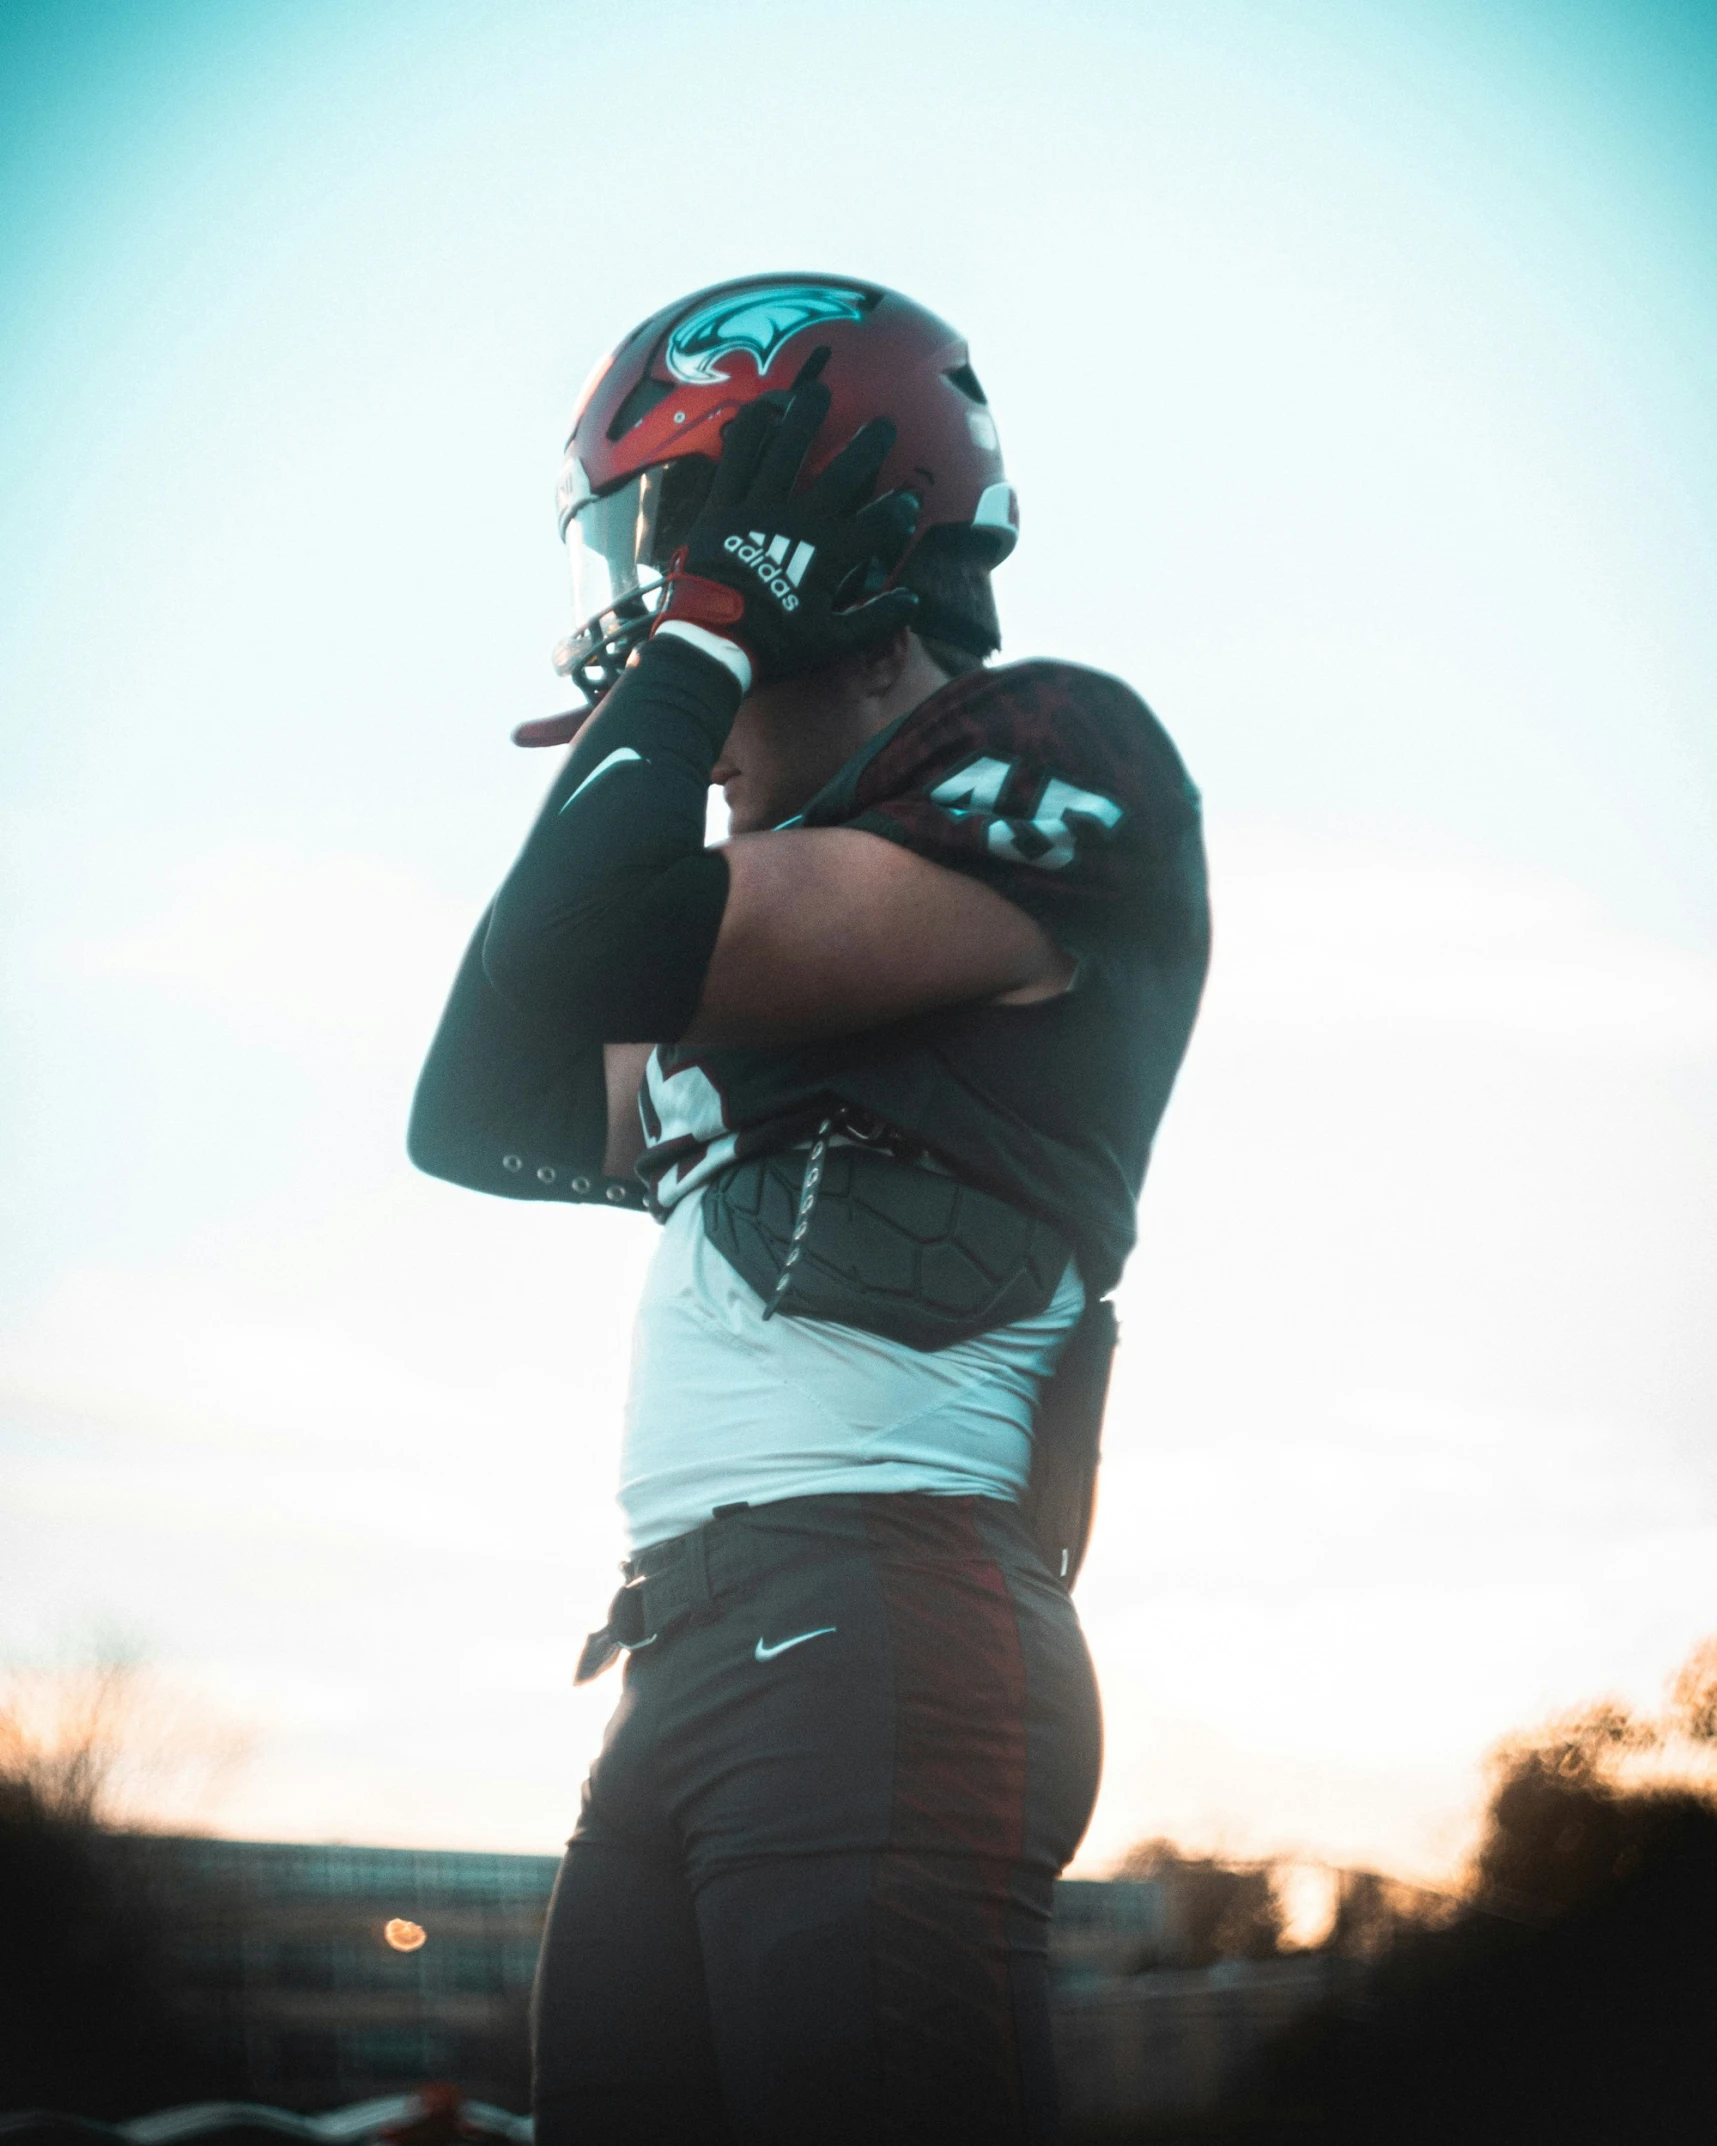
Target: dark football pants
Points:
(809, 1892)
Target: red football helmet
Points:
(647, 435)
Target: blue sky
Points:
(1353, 365)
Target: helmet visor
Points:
(618, 548)
(611, 548)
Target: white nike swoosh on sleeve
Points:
(620, 752)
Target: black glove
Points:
(794, 578)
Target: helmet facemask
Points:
(618, 547)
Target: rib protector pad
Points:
(892, 1247)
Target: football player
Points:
(886, 1065)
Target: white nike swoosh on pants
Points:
(768, 1654)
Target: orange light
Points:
(405, 1936)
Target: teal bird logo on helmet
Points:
(757, 320)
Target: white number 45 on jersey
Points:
(1049, 836)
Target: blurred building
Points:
(1175, 2045)
(327, 1974)
(1110, 1927)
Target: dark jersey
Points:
(1056, 786)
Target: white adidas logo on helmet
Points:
(780, 575)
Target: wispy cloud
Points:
(307, 949)
(1333, 941)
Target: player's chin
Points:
(746, 814)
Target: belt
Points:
(670, 1582)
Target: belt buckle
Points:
(624, 1632)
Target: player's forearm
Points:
(609, 916)
(504, 1106)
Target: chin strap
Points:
(553, 729)
(606, 665)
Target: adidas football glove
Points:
(795, 579)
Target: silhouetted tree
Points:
(1218, 1910)
(88, 2022)
(1574, 1997)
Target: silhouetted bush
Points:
(1598, 2025)
(87, 2021)
(1222, 1911)
(1574, 1997)
(1568, 1995)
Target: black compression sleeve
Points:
(609, 917)
(511, 1106)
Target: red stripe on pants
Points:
(940, 1895)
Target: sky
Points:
(1353, 366)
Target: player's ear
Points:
(880, 667)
